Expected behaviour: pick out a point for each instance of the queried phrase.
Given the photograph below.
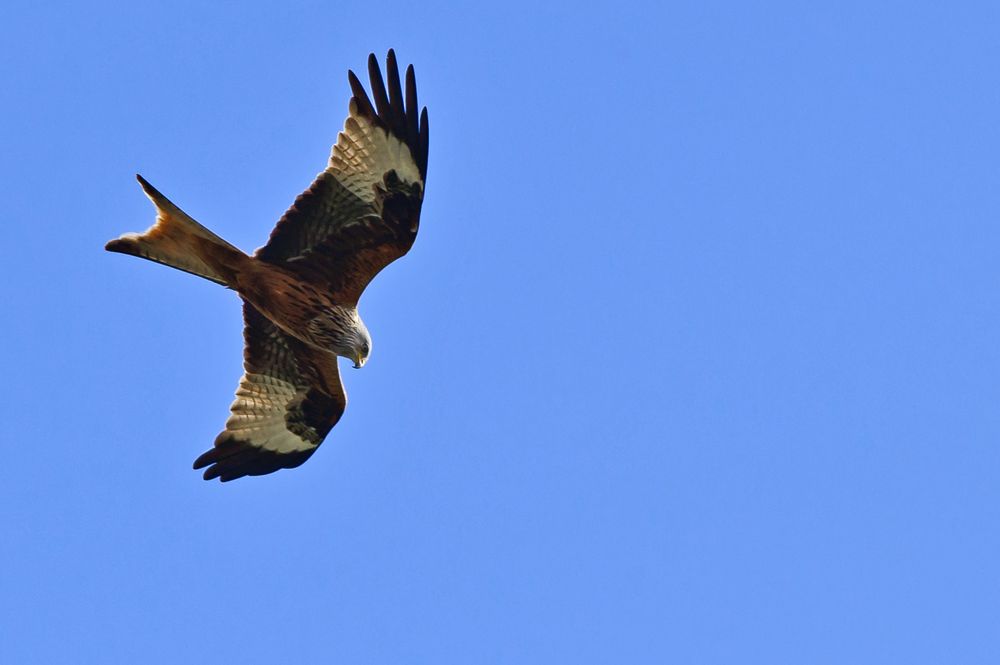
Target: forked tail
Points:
(178, 241)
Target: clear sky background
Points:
(695, 359)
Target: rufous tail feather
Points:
(178, 241)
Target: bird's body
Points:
(301, 289)
(300, 309)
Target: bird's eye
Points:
(364, 349)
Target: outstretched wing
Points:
(289, 398)
(362, 212)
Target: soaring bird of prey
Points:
(300, 291)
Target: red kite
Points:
(300, 291)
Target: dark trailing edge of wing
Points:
(392, 110)
(232, 458)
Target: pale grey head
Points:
(341, 330)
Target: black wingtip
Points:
(394, 108)
(422, 150)
(412, 124)
(397, 113)
(352, 78)
(378, 88)
(365, 107)
(204, 459)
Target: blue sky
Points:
(695, 359)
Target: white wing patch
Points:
(258, 414)
(364, 153)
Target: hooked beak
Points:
(359, 362)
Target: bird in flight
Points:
(300, 291)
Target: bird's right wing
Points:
(362, 212)
(289, 398)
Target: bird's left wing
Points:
(289, 398)
(362, 212)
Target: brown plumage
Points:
(301, 289)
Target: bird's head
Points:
(362, 348)
(342, 331)
(360, 341)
